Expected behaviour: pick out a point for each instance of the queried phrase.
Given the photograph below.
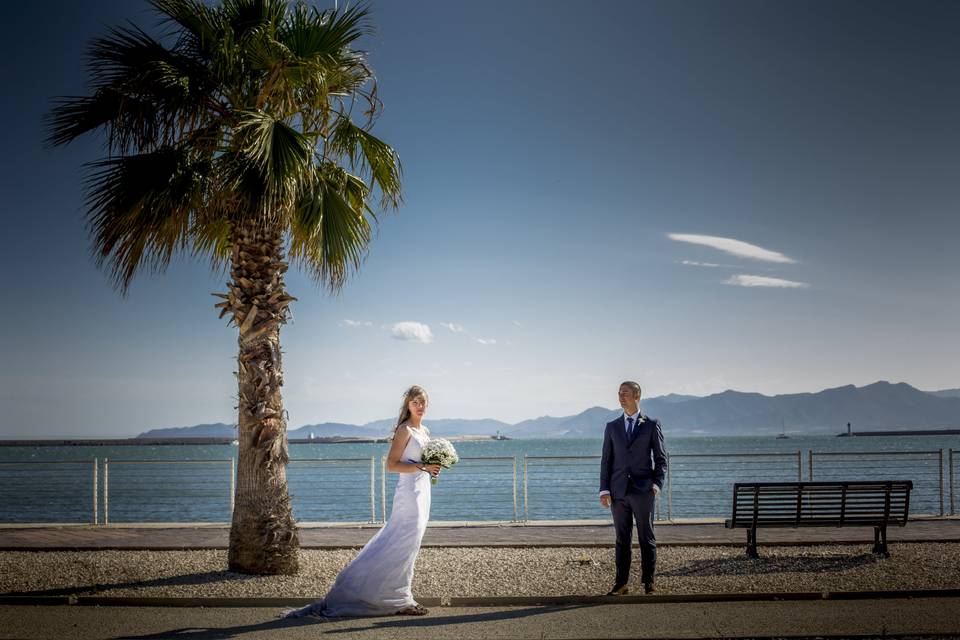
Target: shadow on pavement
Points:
(384, 623)
(186, 579)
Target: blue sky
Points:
(571, 171)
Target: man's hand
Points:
(655, 491)
(605, 500)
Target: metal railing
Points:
(337, 493)
(953, 481)
(167, 490)
(477, 488)
(697, 485)
(556, 486)
(924, 468)
(25, 497)
(704, 481)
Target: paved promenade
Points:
(191, 536)
(930, 613)
(889, 617)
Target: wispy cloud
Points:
(487, 340)
(517, 323)
(453, 326)
(691, 263)
(347, 322)
(737, 248)
(764, 281)
(416, 331)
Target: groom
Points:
(632, 469)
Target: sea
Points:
(496, 480)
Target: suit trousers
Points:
(639, 506)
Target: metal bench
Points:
(876, 504)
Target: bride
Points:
(377, 581)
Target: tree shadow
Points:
(428, 621)
(745, 565)
(223, 633)
(205, 577)
(377, 623)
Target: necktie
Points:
(629, 428)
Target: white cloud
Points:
(347, 322)
(453, 326)
(733, 247)
(764, 281)
(517, 322)
(691, 263)
(412, 331)
(487, 340)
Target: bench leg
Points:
(880, 541)
(752, 543)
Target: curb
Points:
(506, 601)
(496, 545)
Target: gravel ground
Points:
(457, 572)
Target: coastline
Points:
(140, 442)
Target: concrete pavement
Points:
(921, 617)
(544, 534)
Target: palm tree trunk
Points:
(263, 535)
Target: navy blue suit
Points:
(628, 470)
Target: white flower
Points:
(440, 451)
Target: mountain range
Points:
(875, 407)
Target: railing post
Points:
(373, 489)
(953, 487)
(669, 489)
(96, 510)
(233, 487)
(941, 481)
(526, 504)
(106, 491)
(514, 488)
(799, 465)
(383, 488)
(810, 477)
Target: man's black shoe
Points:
(648, 587)
(618, 590)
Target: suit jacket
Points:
(635, 465)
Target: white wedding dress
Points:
(378, 580)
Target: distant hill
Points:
(328, 429)
(875, 407)
(946, 393)
(878, 406)
(215, 430)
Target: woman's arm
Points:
(400, 439)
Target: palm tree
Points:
(241, 134)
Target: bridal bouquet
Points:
(441, 452)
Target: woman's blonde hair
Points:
(412, 393)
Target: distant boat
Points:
(234, 442)
(783, 431)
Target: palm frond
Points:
(217, 121)
(129, 121)
(327, 35)
(330, 233)
(371, 156)
(280, 152)
(244, 16)
(140, 209)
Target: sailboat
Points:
(783, 433)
